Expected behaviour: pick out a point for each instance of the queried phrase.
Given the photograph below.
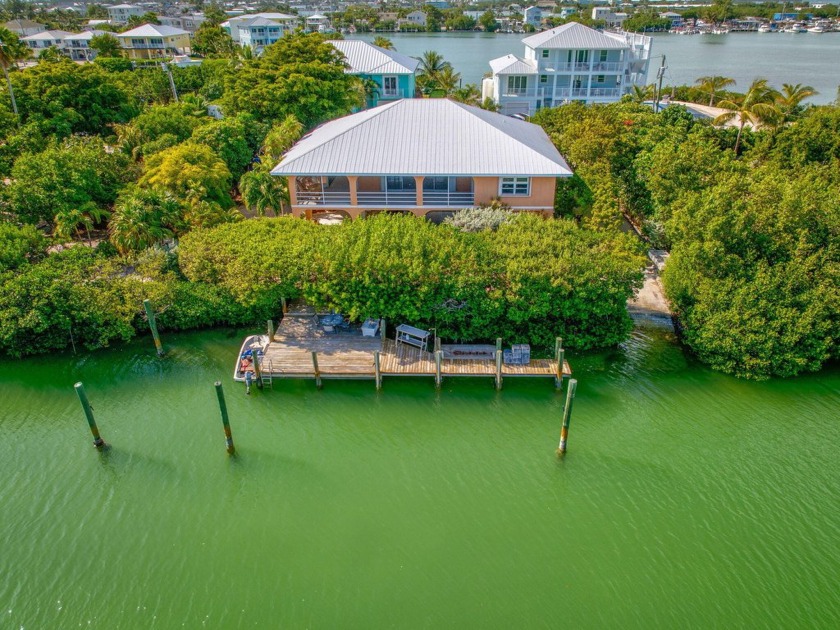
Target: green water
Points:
(687, 498)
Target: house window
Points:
(600, 78)
(543, 78)
(582, 56)
(602, 56)
(515, 186)
(545, 53)
(400, 183)
(517, 85)
(436, 183)
(389, 86)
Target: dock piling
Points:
(438, 375)
(220, 394)
(318, 383)
(270, 330)
(498, 343)
(561, 359)
(377, 370)
(283, 305)
(498, 366)
(255, 361)
(98, 442)
(567, 416)
(150, 313)
(558, 345)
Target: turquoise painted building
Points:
(393, 73)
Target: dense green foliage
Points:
(754, 273)
(529, 281)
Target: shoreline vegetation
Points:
(750, 214)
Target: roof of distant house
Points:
(425, 137)
(369, 59)
(22, 24)
(124, 6)
(46, 35)
(153, 30)
(511, 64)
(84, 36)
(573, 35)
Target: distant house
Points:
(423, 156)
(283, 20)
(318, 23)
(612, 20)
(260, 32)
(154, 41)
(77, 46)
(189, 22)
(532, 16)
(45, 39)
(24, 28)
(392, 72)
(675, 19)
(416, 18)
(569, 63)
(120, 13)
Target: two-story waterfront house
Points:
(154, 41)
(120, 13)
(255, 27)
(189, 22)
(424, 156)
(392, 72)
(77, 46)
(45, 39)
(569, 63)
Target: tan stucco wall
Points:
(542, 193)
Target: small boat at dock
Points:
(253, 344)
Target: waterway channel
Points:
(778, 57)
(687, 498)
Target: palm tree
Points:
(448, 79)
(68, 223)
(261, 191)
(281, 138)
(792, 96)
(713, 85)
(12, 50)
(468, 94)
(383, 42)
(431, 64)
(756, 107)
(642, 93)
(142, 218)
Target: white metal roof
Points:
(511, 64)
(425, 137)
(46, 35)
(257, 21)
(153, 30)
(575, 36)
(369, 59)
(84, 36)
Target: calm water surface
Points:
(779, 57)
(687, 499)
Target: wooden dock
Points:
(301, 349)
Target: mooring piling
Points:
(283, 305)
(377, 368)
(98, 442)
(150, 313)
(498, 366)
(318, 383)
(438, 374)
(567, 416)
(270, 330)
(255, 361)
(561, 359)
(220, 394)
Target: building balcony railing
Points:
(317, 198)
(391, 95)
(607, 66)
(385, 199)
(530, 92)
(604, 92)
(448, 199)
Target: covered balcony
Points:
(387, 191)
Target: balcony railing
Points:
(604, 92)
(448, 199)
(530, 92)
(385, 199)
(390, 95)
(607, 66)
(317, 198)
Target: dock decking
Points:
(301, 349)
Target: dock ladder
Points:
(265, 373)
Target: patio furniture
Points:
(370, 327)
(519, 354)
(412, 336)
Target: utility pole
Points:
(659, 75)
(168, 71)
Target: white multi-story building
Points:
(119, 13)
(569, 63)
(77, 46)
(235, 24)
(46, 39)
(532, 16)
(188, 21)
